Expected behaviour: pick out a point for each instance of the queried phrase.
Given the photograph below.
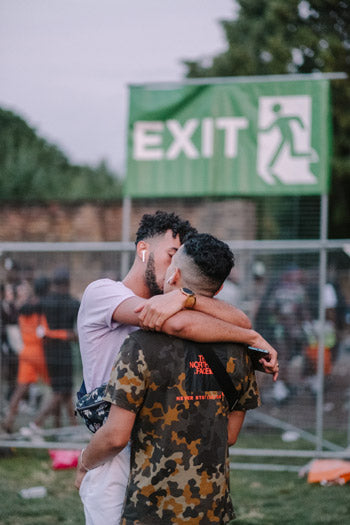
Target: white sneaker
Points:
(32, 430)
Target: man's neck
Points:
(136, 282)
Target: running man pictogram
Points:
(283, 123)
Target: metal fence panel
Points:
(277, 284)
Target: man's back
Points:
(179, 464)
(61, 310)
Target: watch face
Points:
(188, 291)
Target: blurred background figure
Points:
(10, 339)
(60, 310)
(32, 367)
(290, 307)
(230, 292)
(335, 307)
(259, 289)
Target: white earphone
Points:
(171, 278)
(143, 255)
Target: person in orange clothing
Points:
(32, 366)
(61, 310)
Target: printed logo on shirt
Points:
(200, 366)
(200, 379)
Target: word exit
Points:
(148, 138)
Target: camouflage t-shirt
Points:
(179, 459)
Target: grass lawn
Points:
(275, 498)
(269, 498)
(29, 468)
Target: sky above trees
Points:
(65, 65)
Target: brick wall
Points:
(56, 222)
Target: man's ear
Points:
(142, 249)
(219, 290)
(175, 277)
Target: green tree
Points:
(284, 37)
(33, 169)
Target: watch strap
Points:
(191, 297)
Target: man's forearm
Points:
(234, 425)
(155, 311)
(100, 449)
(221, 310)
(203, 328)
(108, 441)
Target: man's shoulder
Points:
(101, 283)
(148, 340)
(224, 347)
(58, 299)
(237, 348)
(105, 288)
(154, 346)
(72, 302)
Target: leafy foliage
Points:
(278, 37)
(32, 169)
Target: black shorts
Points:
(58, 355)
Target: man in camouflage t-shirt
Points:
(163, 390)
(179, 461)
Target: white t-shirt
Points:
(100, 338)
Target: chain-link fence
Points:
(306, 316)
(277, 283)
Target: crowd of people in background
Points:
(285, 310)
(284, 307)
(38, 318)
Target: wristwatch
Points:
(191, 297)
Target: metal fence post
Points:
(321, 316)
(125, 235)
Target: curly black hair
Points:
(212, 256)
(160, 222)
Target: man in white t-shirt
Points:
(110, 310)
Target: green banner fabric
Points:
(229, 139)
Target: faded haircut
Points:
(205, 263)
(160, 222)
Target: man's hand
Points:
(80, 473)
(72, 335)
(270, 365)
(156, 310)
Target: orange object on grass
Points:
(336, 470)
